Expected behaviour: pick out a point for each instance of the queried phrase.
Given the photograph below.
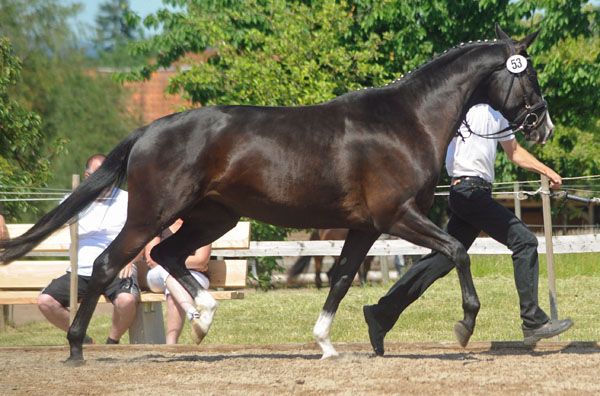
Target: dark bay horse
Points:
(328, 234)
(374, 157)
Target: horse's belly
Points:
(298, 216)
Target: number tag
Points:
(516, 64)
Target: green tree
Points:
(75, 102)
(112, 29)
(21, 141)
(112, 35)
(267, 52)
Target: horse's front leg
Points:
(354, 251)
(415, 227)
(463, 329)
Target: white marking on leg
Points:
(321, 334)
(207, 306)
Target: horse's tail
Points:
(112, 172)
(302, 262)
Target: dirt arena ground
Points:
(552, 368)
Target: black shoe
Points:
(111, 341)
(550, 329)
(376, 331)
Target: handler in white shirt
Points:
(470, 163)
(99, 225)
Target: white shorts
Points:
(157, 279)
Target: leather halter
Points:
(526, 120)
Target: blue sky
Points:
(90, 9)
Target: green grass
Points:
(288, 315)
(565, 265)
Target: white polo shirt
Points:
(99, 225)
(475, 156)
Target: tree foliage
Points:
(112, 36)
(112, 29)
(85, 109)
(21, 140)
(265, 52)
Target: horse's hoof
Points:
(330, 355)
(74, 362)
(462, 334)
(198, 331)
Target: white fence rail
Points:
(561, 244)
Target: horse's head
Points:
(514, 90)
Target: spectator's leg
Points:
(180, 295)
(123, 314)
(53, 311)
(399, 264)
(54, 300)
(175, 319)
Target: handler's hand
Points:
(555, 179)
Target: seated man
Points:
(179, 302)
(99, 225)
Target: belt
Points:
(472, 180)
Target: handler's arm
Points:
(517, 154)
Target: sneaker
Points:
(548, 330)
(197, 331)
(111, 341)
(376, 330)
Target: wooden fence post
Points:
(517, 201)
(384, 263)
(549, 250)
(74, 230)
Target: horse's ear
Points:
(526, 42)
(500, 33)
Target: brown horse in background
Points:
(328, 234)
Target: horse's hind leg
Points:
(415, 227)
(201, 226)
(355, 249)
(107, 265)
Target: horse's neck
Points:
(456, 78)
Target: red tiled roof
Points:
(151, 99)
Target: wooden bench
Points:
(21, 281)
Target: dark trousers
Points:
(473, 210)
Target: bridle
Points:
(527, 119)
